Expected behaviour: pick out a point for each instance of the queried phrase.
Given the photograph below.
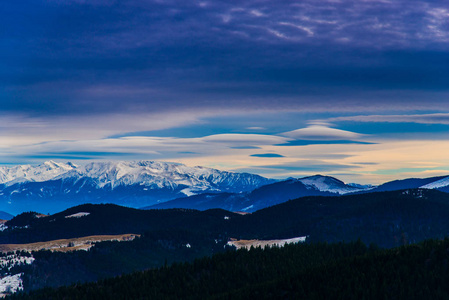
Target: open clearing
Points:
(247, 244)
(82, 243)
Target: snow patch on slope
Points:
(437, 184)
(10, 284)
(78, 215)
(39, 173)
(12, 260)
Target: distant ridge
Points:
(5, 216)
(292, 188)
(410, 183)
(265, 196)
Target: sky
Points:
(357, 89)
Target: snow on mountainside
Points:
(52, 186)
(437, 184)
(164, 175)
(329, 184)
(147, 173)
(43, 172)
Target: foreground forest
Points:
(309, 271)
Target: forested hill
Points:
(315, 271)
(387, 219)
(98, 219)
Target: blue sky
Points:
(355, 89)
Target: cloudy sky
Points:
(354, 89)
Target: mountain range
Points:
(281, 191)
(55, 186)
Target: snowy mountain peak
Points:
(135, 183)
(163, 174)
(328, 184)
(25, 173)
(59, 165)
(152, 174)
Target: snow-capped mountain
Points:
(25, 173)
(156, 175)
(330, 184)
(147, 173)
(53, 186)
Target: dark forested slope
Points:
(316, 271)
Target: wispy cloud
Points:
(437, 118)
(267, 155)
(322, 133)
(255, 128)
(249, 139)
(310, 166)
(305, 29)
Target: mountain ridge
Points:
(53, 186)
(262, 197)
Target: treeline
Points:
(305, 271)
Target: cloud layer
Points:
(105, 57)
(226, 84)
